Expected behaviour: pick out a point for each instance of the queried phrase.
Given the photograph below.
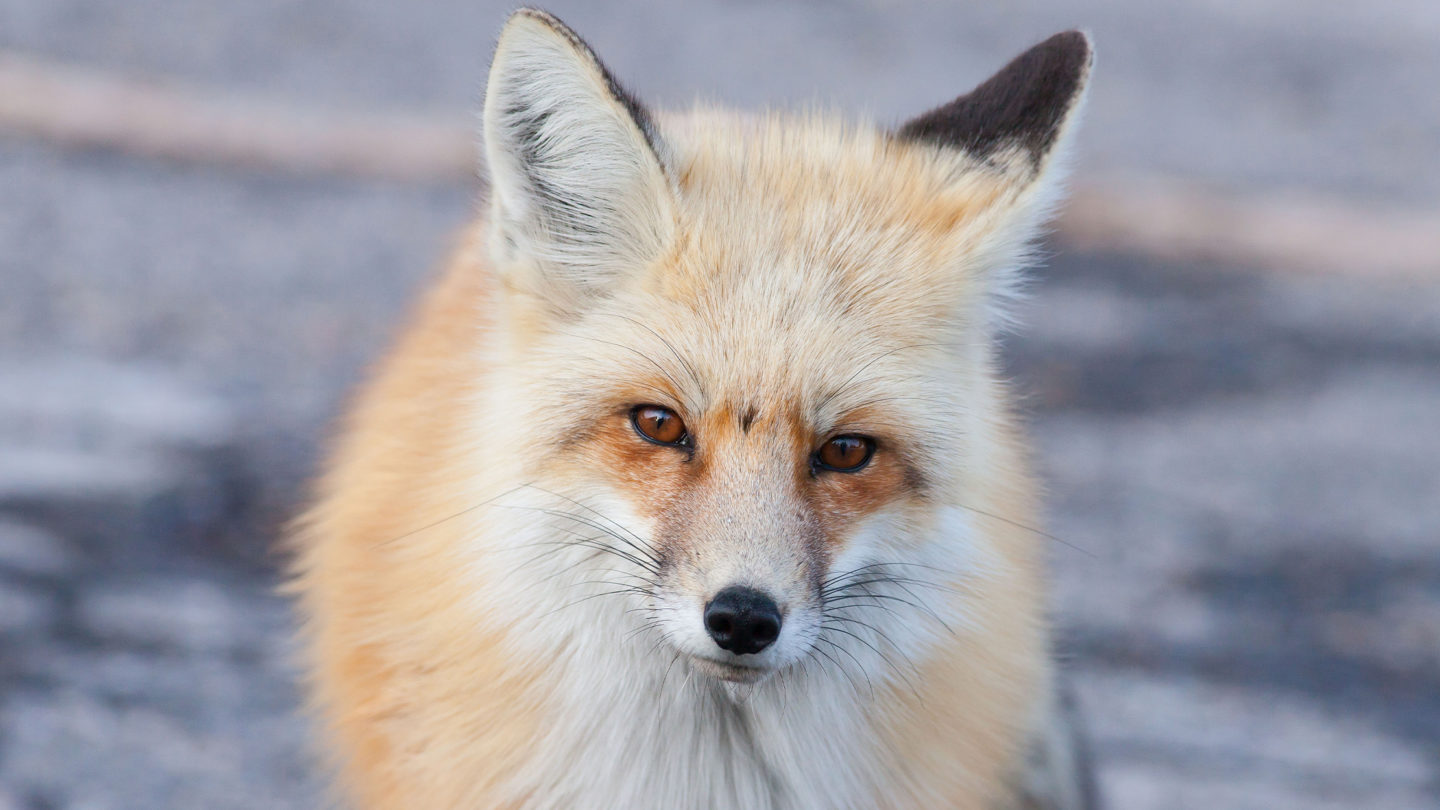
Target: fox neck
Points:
(681, 740)
(651, 733)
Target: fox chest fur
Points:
(692, 484)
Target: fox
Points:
(694, 481)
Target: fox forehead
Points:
(806, 247)
(745, 359)
(773, 204)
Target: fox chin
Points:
(692, 482)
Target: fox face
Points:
(750, 359)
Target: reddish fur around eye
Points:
(660, 425)
(846, 453)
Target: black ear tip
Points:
(1062, 60)
(1025, 104)
(1070, 49)
(1072, 41)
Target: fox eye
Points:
(845, 453)
(659, 425)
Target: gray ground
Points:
(1242, 464)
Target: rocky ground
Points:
(1241, 464)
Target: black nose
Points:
(742, 620)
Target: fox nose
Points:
(742, 620)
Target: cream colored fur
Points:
(503, 584)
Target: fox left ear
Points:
(579, 194)
(1016, 118)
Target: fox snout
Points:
(744, 599)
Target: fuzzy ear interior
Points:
(1013, 127)
(579, 193)
(1025, 107)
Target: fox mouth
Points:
(734, 673)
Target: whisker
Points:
(666, 678)
(876, 566)
(584, 521)
(918, 604)
(843, 670)
(595, 544)
(860, 639)
(1017, 524)
(850, 597)
(829, 612)
(650, 563)
(584, 542)
(851, 380)
(888, 661)
(650, 625)
(647, 358)
(872, 579)
(445, 520)
(858, 666)
(587, 599)
(689, 369)
(640, 543)
(633, 588)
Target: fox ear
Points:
(1013, 127)
(1022, 111)
(578, 190)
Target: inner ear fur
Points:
(579, 193)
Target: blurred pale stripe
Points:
(1148, 215)
(92, 109)
(1310, 233)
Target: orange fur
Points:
(814, 279)
(380, 640)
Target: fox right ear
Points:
(578, 190)
(1023, 110)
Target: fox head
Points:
(751, 358)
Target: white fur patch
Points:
(635, 726)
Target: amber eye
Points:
(845, 453)
(659, 425)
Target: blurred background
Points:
(212, 215)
